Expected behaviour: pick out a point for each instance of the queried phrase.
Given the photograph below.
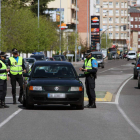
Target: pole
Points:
(0, 26)
(76, 35)
(60, 31)
(87, 23)
(38, 24)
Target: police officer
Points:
(90, 69)
(16, 64)
(3, 80)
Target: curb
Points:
(107, 98)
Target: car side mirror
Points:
(26, 75)
(133, 63)
(81, 75)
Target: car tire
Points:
(28, 104)
(80, 107)
(139, 84)
(102, 66)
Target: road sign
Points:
(79, 47)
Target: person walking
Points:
(16, 64)
(90, 69)
(3, 80)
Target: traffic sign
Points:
(79, 47)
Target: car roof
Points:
(96, 52)
(38, 63)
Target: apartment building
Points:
(132, 2)
(135, 28)
(113, 15)
(68, 15)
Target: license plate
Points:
(56, 95)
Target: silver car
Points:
(30, 61)
(99, 58)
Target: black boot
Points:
(93, 105)
(20, 99)
(14, 99)
(4, 105)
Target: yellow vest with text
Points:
(88, 64)
(16, 68)
(3, 76)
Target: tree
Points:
(103, 41)
(34, 5)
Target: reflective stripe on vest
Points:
(88, 64)
(16, 68)
(3, 76)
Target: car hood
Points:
(53, 82)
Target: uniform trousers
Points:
(90, 88)
(3, 89)
(19, 79)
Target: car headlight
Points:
(76, 88)
(37, 88)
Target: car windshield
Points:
(131, 54)
(30, 60)
(39, 57)
(54, 71)
(57, 58)
(97, 56)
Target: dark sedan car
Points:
(136, 68)
(59, 58)
(53, 82)
(38, 57)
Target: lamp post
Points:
(0, 25)
(76, 35)
(60, 31)
(38, 24)
(87, 23)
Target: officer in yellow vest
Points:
(16, 64)
(3, 80)
(90, 69)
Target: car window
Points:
(54, 71)
(57, 58)
(131, 54)
(38, 57)
(30, 60)
(97, 56)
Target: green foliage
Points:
(20, 29)
(103, 41)
(34, 5)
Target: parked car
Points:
(26, 64)
(53, 82)
(136, 68)
(99, 58)
(50, 59)
(59, 58)
(38, 57)
(131, 55)
(30, 61)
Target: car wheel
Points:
(139, 84)
(28, 104)
(80, 107)
(24, 102)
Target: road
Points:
(115, 120)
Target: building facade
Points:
(135, 26)
(113, 16)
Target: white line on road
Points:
(10, 117)
(120, 89)
(11, 97)
(11, 87)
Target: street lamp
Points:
(38, 24)
(60, 31)
(76, 35)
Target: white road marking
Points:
(120, 89)
(11, 97)
(11, 87)
(10, 117)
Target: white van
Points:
(131, 55)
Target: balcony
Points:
(74, 21)
(73, 6)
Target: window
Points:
(110, 34)
(110, 28)
(139, 33)
(122, 12)
(110, 20)
(138, 46)
(104, 27)
(97, 1)
(105, 3)
(117, 35)
(136, 26)
(110, 12)
(117, 12)
(136, 19)
(139, 19)
(104, 11)
(110, 4)
(97, 10)
(117, 28)
(131, 26)
(117, 4)
(121, 34)
(122, 20)
(122, 4)
(117, 20)
(132, 19)
(104, 20)
(139, 39)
